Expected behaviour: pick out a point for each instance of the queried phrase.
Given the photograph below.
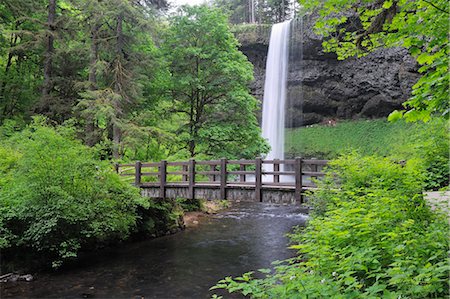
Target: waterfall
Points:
(275, 87)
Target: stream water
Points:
(248, 236)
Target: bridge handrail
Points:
(222, 173)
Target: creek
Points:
(246, 237)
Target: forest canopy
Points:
(127, 81)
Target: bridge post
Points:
(116, 167)
(137, 173)
(184, 177)
(242, 176)
(276, 168)
(258, 179)
(162, 179)
(223, 178)
(298, 180)
(191, 177)
(212, 177)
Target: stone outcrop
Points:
(321, 87)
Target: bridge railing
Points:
(296, 174)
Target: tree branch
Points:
(435, 6)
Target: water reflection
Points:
(247, 237)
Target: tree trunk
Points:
(94, 57)
(90, 127)
(49, 49)
(6, 108)
(117, 86)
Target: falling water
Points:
(275, 90)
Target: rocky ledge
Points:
(323, 87)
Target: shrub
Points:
(56, 198)
(373, 236)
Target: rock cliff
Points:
(321, 87)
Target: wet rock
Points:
(27, 277)
(322, 87)
(12, 277)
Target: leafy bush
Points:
(431, 148)
(56, 198)
(371, 236)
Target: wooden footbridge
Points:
(278, 181)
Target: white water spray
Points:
(275, 90)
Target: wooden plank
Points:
(244, 162)
(191, 177)
(250, 184)
(208, 183)
(137, 174)
(162, 179)
(279, 172)
(215, 162)
(278, 161)
(223, 178)
(298, 180)
(313, 173)
(276, 171)
(258, 180)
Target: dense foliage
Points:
(352, 27)
(428, 143)
(371, 235)
(56, 197)
(209, 85)
(120, 70)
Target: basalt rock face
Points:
(366, 87)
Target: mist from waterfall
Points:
(275, 89)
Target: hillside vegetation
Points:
(425, 143)
(366, 136)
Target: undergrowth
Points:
(371, 235)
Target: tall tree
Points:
(209, 86)
(49, 48)
(119, 43)
(352, 27)
(19, 56)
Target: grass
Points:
(368, 137)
